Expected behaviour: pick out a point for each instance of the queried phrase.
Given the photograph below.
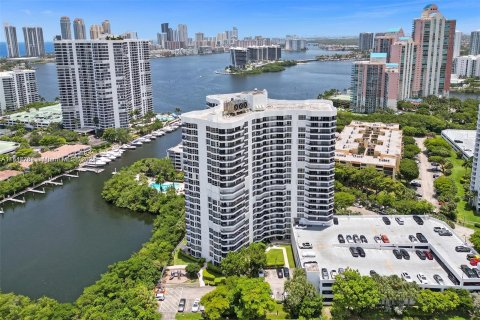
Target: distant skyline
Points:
(251, 17)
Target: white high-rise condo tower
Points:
(79, 31)
(475, 43)
(12, 42)
(66, 28)
(457, 45)
(475, 177)
(253, 167)
(17, 89)
(103, 82)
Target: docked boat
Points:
(128, 147)
(95, 163)
(144, 139)
(137, 142)
(101, 158)
(159, 133)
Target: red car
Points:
(428, 254)
(385, 238)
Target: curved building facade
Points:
(253, 166)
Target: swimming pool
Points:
(165, 186)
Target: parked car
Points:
(160, 296)
(462, 249)
(420, 254)
(428, 254)
(438, 279)
(361, 252)
(436, 175)
(286, 273)
(386, 220)
(335, 220)
(385, 238)
(436, 169)
(415, 183)
(406, 277)
(421, 277)
(445, 233)
(181, 305)
(400, 221)
(354, 252)
(397, 254)
(477, 272)
(468, 272)
(363, 239)
(306, 245)
(261, 273)
(437, 229)
(421, 237)
(341, 239)
(377, 239)
(405, 254)
(412, 238)
(333, 273)
(349, 239)
(356, 238)
(324, 274)
(280, 273)
(196, 305)
(418, 220)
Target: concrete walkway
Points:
(426, 177)
(200, 276)
(285, 257)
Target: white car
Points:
(421, 277)
(261, 274)
(406, 277)
(196, 305)
(160, 296)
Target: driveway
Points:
(425, 176)
(276, 284)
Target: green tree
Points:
(246, 262)
(52, 141)
(396, 292)
(343, 200)
(302, 299)
(408, 169)
(475, 240)
(354, 294)
(192, 270)
(435, 303)
(217, 303)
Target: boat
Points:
(143, 139)
(128, 147)
(95, 163)
(150, 136)
(108, 155)
(137, 142)
(99, 157)
(159, 133)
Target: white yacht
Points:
(137, 142)
(97, 162)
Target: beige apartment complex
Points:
(373, 144)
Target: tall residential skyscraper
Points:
(79, 30)
(403, 53)
(234, 33)
(65, 26)
(12, 42)
(365, 41)
(374, 84)
(475, 43)
(101, 82)
(34, 45)
(17, 89)
(435, 37)
(457, 44)
(199, 36)
(384, 40)
(106, 27)
(182, 33)
(253, 167)
(95, 31)
(475, 177)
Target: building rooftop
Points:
(8, 146)
(461, 140)
(7, 174)
(372, 143)
(177, 149)
(328, 253)
(45, 115)
(257, 101)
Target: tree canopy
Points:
(302, 299)
(245, 262)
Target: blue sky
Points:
(274, 18)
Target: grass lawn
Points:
(189, 315)
(291, 260)
(182, 258)
(278, 313)
(275, 257)
(465, 213)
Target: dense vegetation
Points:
(125, 290)
(129, 188)
(382, 297)
(37, 173)
(302, 299)
(270, 67)
(245, 262)
(239, 298)
(375, 189)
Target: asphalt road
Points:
(426, 177)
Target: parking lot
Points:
(276, 283)
(169, 307)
